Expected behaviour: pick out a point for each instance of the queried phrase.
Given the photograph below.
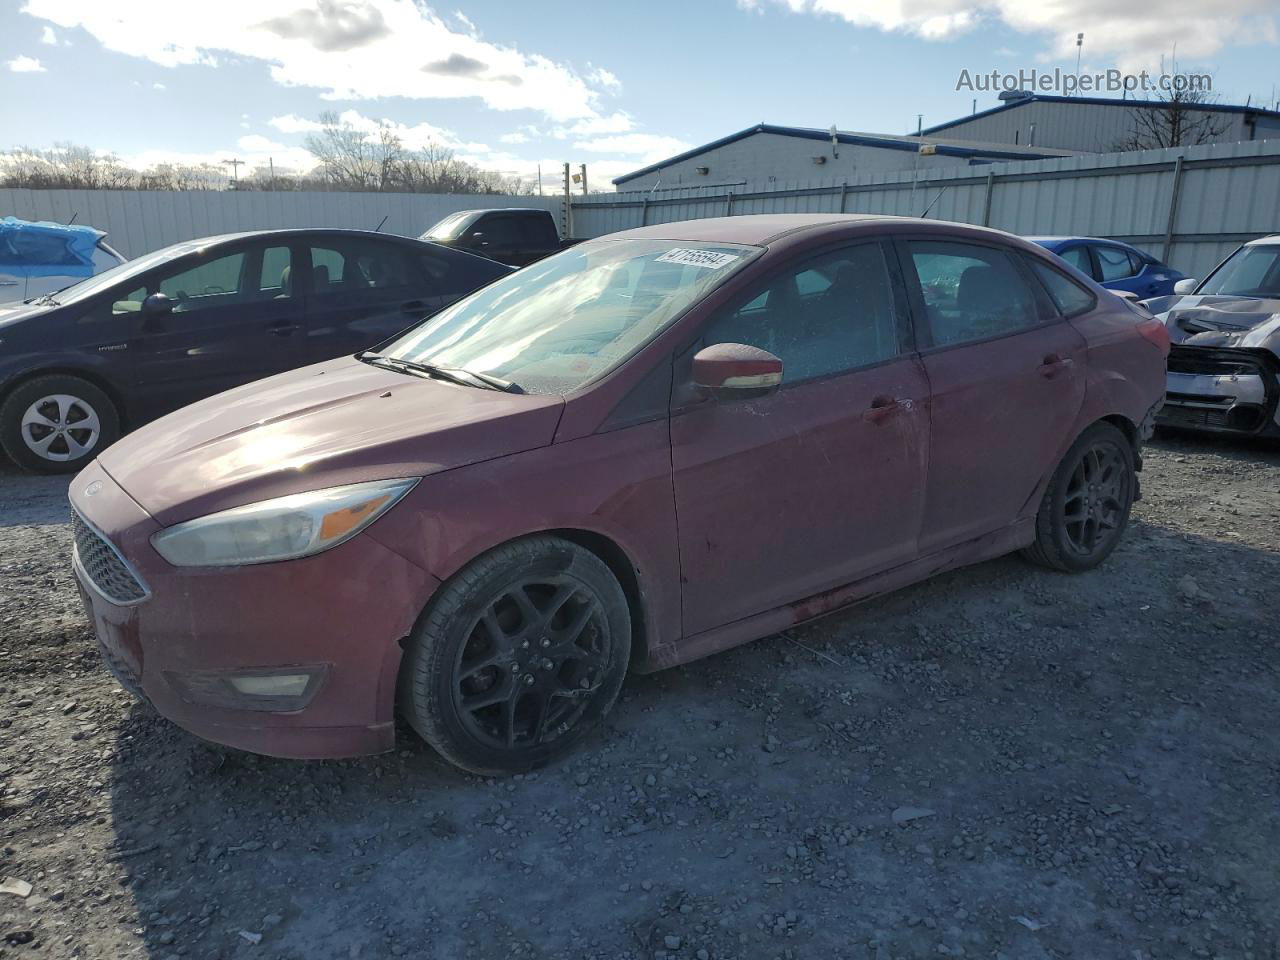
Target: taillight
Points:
(1153, 331)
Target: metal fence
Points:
(1189, 205)
(139, 221)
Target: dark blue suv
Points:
(79, 367)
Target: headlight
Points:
(282, 529)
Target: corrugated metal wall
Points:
(138, 222)
(1226, 193)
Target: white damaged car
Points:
(1224, 365)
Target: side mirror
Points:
(736, 368)
(158, 304)
(1184, 287)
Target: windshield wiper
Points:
(466, 378)
(43, 301)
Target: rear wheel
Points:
(57, 424)
(1086, 508)
(519, 657)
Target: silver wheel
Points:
(60, 427)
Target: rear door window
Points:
(360, 266)
(1113, 263)
(972, 292)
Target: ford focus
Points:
(640, 451)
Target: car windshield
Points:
(1249, 272)
(566, 320)
(123, 271)
(450, 227)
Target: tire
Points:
(57, 423)
(1086, 508)
(500, 685)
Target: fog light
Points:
(278, 690)
(272, 685)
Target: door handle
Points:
(883, 407)
(413, 306)
(1052, 365)
(283, 328)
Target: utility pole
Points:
(919, 124)
(583, 168)
(271, 161)
(539, 179)
(568, 206)
(1079, 50)
(235, 171)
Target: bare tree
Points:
(1181, 116)
(356, 159)
(65, 166)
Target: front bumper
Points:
(340, 614)
(1222, 390)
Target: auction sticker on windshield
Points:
(698, 258)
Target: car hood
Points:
(338, 422)
(1220, 321)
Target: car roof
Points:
(1263, 241)
(1046, 240)
(753, 229)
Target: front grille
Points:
(104, 566)
(1247, 418)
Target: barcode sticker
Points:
(698, 258)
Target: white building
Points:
(1098, 125)
(767, 153)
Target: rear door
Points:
(236, 318)
(820, 482)
(1007, 379)
(362, 290)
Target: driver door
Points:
(820, 482)
(235, 318)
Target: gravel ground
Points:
(1002, 762)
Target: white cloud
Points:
(158, 86)
(1130, 36)
(604, 79)
(292, 123)
(346, 49)
(516, 137)
(25, 64)
(649, 147)
(618, 122)
(49, 37)
(256, 143)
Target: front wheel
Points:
(1086, 508)
(518, 657)
(57, 424)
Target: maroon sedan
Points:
(640, 451)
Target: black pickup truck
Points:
(513, 235)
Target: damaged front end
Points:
(1224, 364)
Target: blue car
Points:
(1115, 265)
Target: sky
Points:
(509, 86)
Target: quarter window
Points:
(831, 314)
(1078, 257)
(971, 292)
(1069, 297)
